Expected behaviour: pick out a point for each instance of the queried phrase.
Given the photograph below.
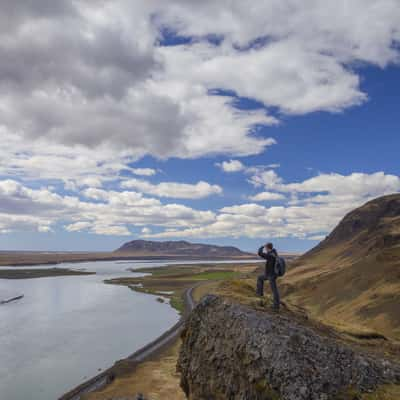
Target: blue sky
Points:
(180, 129)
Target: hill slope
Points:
(352, 278)
(180, 249)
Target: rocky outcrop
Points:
(231, 351)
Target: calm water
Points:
(66, 328)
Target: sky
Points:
(229, 122)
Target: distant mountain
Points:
(180, 248)
(354, 274)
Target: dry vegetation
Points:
(156, 378)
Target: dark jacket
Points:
(270, 258)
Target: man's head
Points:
(269, 246)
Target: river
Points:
(66, 329)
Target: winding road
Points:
(104, 378)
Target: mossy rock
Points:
(268, 393)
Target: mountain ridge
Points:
(180, 248)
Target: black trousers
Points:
(274, 288)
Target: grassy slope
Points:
(352, 279)
(362, 296)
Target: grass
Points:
(177, 303)
(217, 275)
(178, 278)
(384, 392)
(157, 379)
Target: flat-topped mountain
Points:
(180, 248)
(353, 276)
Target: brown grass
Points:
(157, 379)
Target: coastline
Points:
(149, 350)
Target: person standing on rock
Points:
(270, 255)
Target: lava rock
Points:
(231, 351)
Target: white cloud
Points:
(144, 171)
(317, 206)
(327, 187)
(84, 80)
(269, 179)
(267, 196)
(173, 189)
(146, 231)
(236, 166)
(103, 212)
(86, 90)
(231, 166)
(317, 237)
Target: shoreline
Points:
(28, 259)
(20, 273)
(150, 349)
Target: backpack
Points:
(280, 266)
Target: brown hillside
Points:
(352, 278)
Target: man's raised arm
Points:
(261, 252)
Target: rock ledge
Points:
(233, 352)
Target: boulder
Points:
(231, 351)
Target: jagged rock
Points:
(230, 351)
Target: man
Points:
(270, 274)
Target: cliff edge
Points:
(231, 351)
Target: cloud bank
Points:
(88, 88)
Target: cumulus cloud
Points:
(267, 196)
(88, 88)
(144, 171)
(315, 206)
(237, 166)
(96, 76)
(231, 166)
(173, 189)
(327, 187)
(101, 212)
(269, 179)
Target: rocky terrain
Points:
(180, 248)
(231, 351)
